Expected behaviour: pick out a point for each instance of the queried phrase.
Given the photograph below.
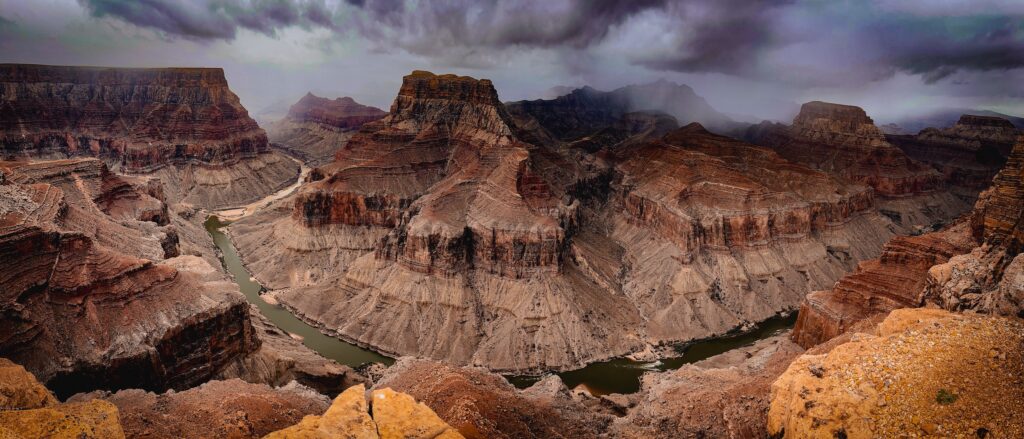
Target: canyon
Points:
(537, 246)
(170, 270)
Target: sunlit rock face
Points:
(315, 128)
(548, 255)
(920, 370)
(843, 141)
(181, 124)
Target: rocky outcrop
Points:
(895, 280)
(28, 410)
(316, 128)
(480, 404)
(393, 415)
(970, 265)
(182, 124)
(922, 372)
(968, 154)
(724, 396)
(81, 312)
(216, 409)
(842, 140)
(989, 278)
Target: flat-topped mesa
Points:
(139, 119)
(421, 84)
(344, 113)
(829, 118)
(984, 121)
(843, 140)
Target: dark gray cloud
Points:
(856, 40)
(214, 19)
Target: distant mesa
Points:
(183, 125)
(315, 127)
(341, 112)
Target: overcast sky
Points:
(747, 57)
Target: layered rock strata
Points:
(922, 372)
(968, 154)
(527, 258)
(316, 128)
(82, 312)
(181, 124)
(973, 264)
(842, 140)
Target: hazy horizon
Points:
(748, 59)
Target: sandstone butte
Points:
(921, 373)
(181, 125)
(529, 252)
(315, 127)
(842, 140)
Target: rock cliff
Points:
(90, 302)
(316, 128)
(968, 154)
(182, 124)
(922, 372)
(28, 410)
(842, 140)
(972, 264)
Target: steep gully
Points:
(620, 375)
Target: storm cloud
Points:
(747, 55)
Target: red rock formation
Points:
(82, 315)
(843, 140)
(315, 128)
(970, 265)
(968, 154)
(341, 112)
(141, 121)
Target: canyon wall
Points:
(968, 154)
(316, 128)
(182, 124)
(548, 255)
(973, 264)
(842, 140)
